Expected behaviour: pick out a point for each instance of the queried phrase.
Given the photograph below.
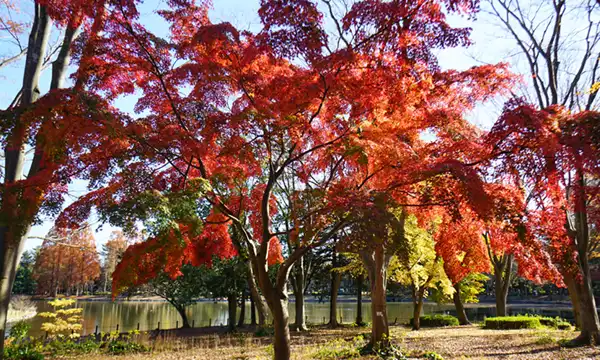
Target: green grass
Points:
(545, 339)
(340, 349)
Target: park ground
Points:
(465, 342)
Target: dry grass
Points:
(470, 342)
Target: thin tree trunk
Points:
(232, 305)
(336, 279)
(298, 287)
(359, 289)
(242, 309)
(259, 302)
(300, 323)
(184, 318)
(417, 309)
(460, 309)
(252, 311)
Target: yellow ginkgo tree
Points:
(417, 265)
(65, 320)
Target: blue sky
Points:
(488, 46)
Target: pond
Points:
(128, 315)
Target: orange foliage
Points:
(68, 261)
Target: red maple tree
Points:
(242, 110)
(554, 155)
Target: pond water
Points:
(128, 315)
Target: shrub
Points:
(119, 347)
(24, 351)
(65, 320)
(389, 352)
(264, 331)
(512, 322)
(19, 330)
(556, 323)
(564, 326)
(432, 355)
(66, 346)
(437, 320)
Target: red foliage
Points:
(461, 246)
(143, 261)
(244, 110)
(550, 151)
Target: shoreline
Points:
(23, 316)
(312, 300)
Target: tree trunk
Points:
(16, 228)
(242, 309)
(10, 260)
(359, 289)
(377, 263)
(277, 300)
(252, 311)
(500, 298)
(281, 327)
(460, 309)
(184, 318)
(300, 323)
(573, 294)
(502, 276)
(417, 308)
(232, 305)
(298, 287)
(259, 302)
(336, 279)
(590, 325)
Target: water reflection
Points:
(129, 315)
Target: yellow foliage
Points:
(595, 87)
(65, 320)
(417, 264)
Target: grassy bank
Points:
(466, 342)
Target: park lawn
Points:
(465, 342)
